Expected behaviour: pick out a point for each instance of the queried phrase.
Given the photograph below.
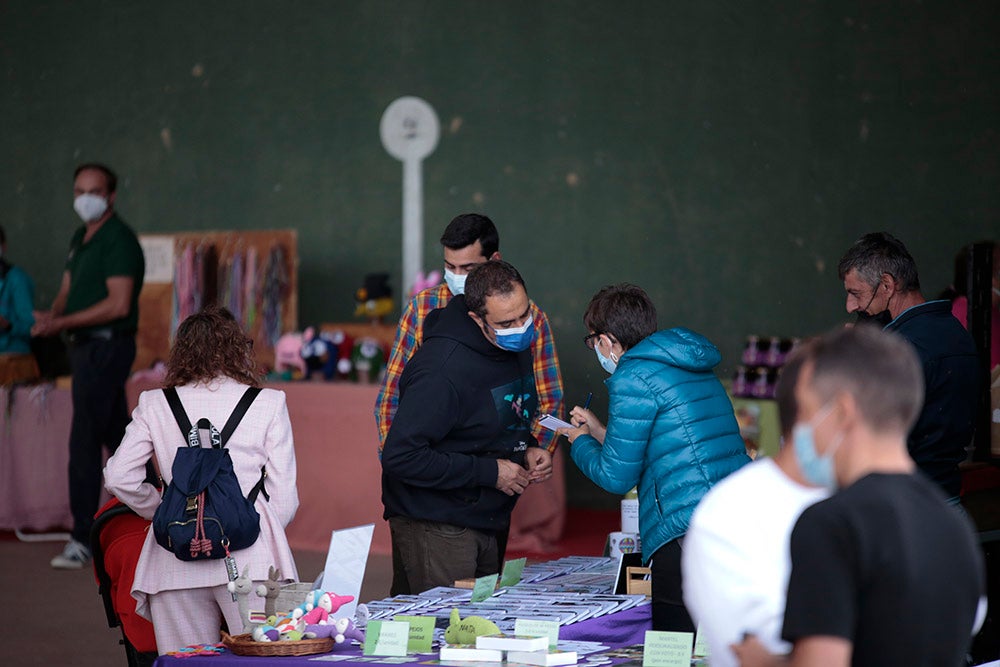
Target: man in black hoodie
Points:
(460, 448)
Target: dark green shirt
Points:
(114, 251)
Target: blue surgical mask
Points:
(610, 365)
(817, 470)
(456, 283)
(516, 339)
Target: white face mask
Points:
(90, 207)
(456, 283)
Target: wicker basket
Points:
(245, 645)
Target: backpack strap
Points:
(241, 409)
(234, 420)
(174, 401)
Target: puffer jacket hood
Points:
(671, 432)
(678, 347)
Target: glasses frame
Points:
(590, 340)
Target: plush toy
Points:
(307, 604)
(270, 589)
(240, 588)
(368, 360)
(320, 351)
(326, 604)
(432, 279)
(344, 631)
(288, 361)
(374, 298)
(465, 630)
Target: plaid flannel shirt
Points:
(548, 381)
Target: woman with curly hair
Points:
(211, 365)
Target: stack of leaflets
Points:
(469, 653)
(552, 658)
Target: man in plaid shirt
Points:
(468, 240)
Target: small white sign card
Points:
(345, 564)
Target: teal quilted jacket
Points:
(671, 432)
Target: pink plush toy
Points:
(287, 357)
(326, 604)
(421, 282)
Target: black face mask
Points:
(881, 319)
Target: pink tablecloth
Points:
(34, 458)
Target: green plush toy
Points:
(465, 630)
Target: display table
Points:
(626, 628)
(339, 476)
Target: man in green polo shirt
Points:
(97, 307)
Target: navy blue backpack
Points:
(203, 514)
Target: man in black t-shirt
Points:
(884, 572)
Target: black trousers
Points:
(100, 415)
(669, 612)
(426, 554)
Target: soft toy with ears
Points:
(270, 590)
(465, 630)
(240, 588)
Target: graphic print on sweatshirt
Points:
(516, 404)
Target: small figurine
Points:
(465, 630)
(374, 297)
(240, 588)
(320, 351)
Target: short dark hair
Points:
(878, 368)
(877, 253)
(110, 177)
(489, 279)
(466, 229)
(784, 391)
(623, 311)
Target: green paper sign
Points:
(529, 627)
(484, 587)
(512, 571)
(667, 649)
(421, 633)
(700, 644)
(386, 638)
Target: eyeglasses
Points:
(590, 340)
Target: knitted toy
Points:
(345, 631)
(320, 352)
(326, 604)
(465, 630)
(270, 589)
(240, 588)
(374, 298)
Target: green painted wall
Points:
(721, 154)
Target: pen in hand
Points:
(586, 404)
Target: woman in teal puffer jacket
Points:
(671, 431)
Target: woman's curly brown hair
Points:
(208, 345)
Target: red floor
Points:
(585, 534)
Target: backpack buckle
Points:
(192, 505)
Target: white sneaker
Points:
(73, 557)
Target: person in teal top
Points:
(16, 305)
(671, 431)
(97, 308)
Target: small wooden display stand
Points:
(637, 581)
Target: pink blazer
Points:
(263, 439)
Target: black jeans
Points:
(669, 612)
(100, 415)
(426, 554)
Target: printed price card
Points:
(484, 587)
(512, 571)
(667, 649)
(529, 627)
(386, 638)
(421, 633)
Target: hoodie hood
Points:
(677, 347)
(454, 323)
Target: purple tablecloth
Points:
(622, 629)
